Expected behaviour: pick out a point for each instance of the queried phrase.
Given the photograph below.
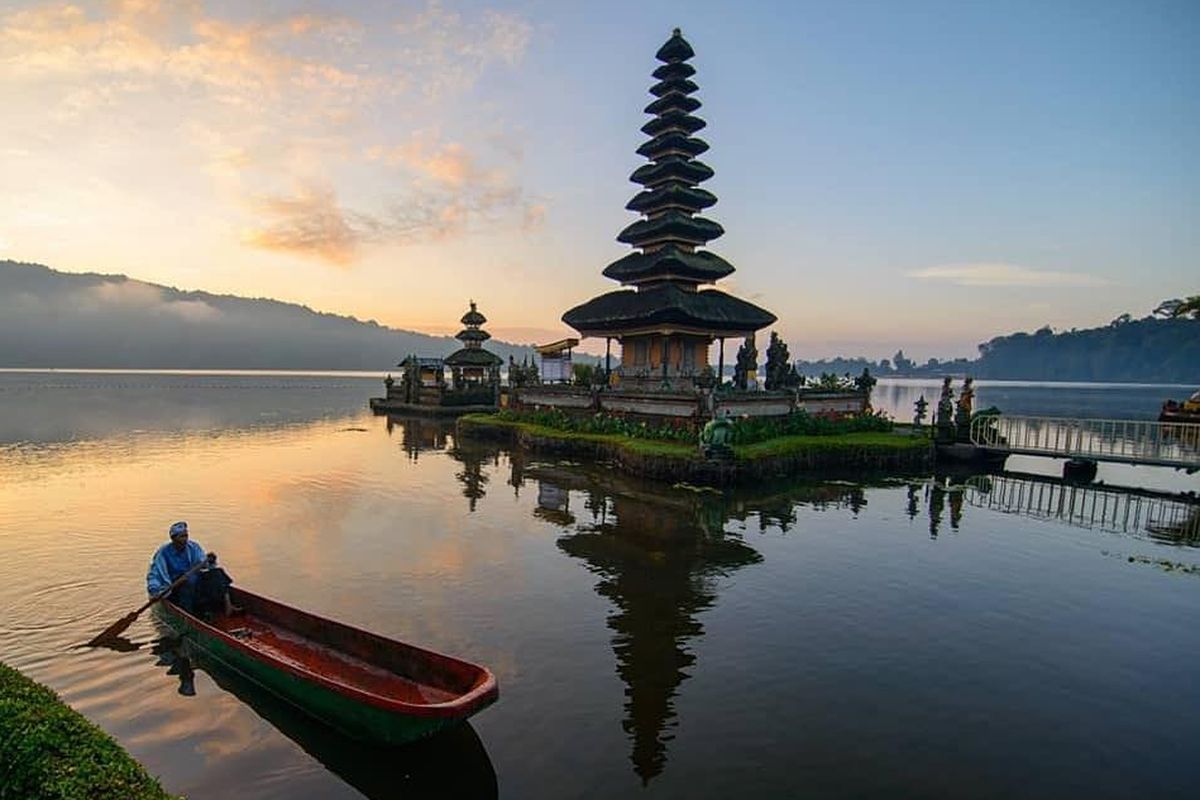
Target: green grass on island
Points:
(786, 445)
(647, 447)
(875, 441)
(48, 750)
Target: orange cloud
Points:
(310, 223)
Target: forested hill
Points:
(57, 319)
(1145, 350)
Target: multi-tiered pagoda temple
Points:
(471, 365)
(665, 322)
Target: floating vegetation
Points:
(1165, 564)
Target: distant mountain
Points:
(57, 319)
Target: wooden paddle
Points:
(118, 627)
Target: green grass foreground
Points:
(48, 750)
(770, 448)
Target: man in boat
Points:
(205, 591)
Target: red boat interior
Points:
(347, 656)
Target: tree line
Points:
(1163, 347)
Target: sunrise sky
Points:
(925, 175)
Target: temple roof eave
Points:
(698, 266)
(624, 310)
(472, 357)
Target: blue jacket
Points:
(168, 564)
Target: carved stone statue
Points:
(921, 411)
(747, 362)
(945, 412)
(962, 415)
(716, 438)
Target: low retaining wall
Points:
(684, 408)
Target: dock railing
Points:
(1120, 440)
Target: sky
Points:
(923, 175)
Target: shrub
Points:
(48, 750)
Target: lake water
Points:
(865, 636)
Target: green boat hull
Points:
(355, 719)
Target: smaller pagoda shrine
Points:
(474, 377)
(471, 366)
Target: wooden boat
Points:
(1187, 412)
(367, 686)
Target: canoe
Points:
(369, 687)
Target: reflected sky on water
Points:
(890, 635)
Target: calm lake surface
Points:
(864, 636)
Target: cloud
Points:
(135, 295)
(310, 223)
(534, 216)
(276, 113)
(1003, 275)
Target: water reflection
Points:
(659, 557)
(419, 434)
(1117, 509)
(427, 434)
(1162, 516)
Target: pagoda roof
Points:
(473, 357)
(676, 49)
(473, 317)
(674, 101)
(670, 226)
(472, 335)
(673, 121)
(684, 171)
(681, 85)
(673, 143)
(671, 71)
(672, 195)
(667, 262)
(667, 305)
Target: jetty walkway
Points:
(1124, 441)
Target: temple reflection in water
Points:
(660, 554)
(427, 434)
(658, 557)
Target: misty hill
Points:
(57, 319)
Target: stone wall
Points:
(691, 408)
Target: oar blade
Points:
(114, 630)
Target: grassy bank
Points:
(644, 447)
(776, 457)
(793, 445)
(48, 750)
